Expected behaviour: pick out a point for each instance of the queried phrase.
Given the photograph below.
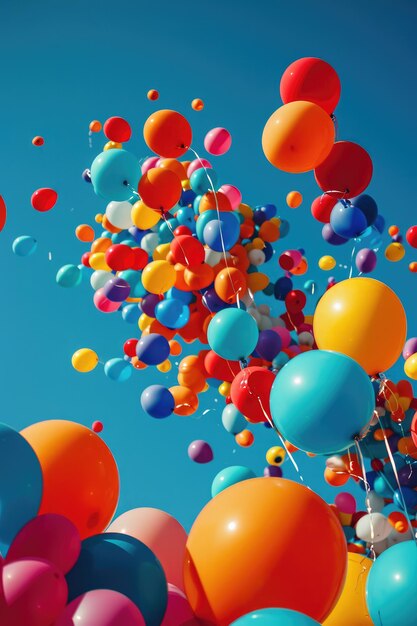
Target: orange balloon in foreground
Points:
(298, 137)
(262, 543)
(80, 477)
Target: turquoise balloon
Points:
(276, 617)
(230, 476)
(321, 400)
(172, 313)
(20, 485)
(232, 419)
(111, 170)
(24, 245)
(69, 276)
(118, 370)
(202, 221)
(200, 182)
(391, 586)
(233, 334)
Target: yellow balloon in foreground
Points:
(351, 609)
(410, 367)
(84, 360)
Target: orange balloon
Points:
(175, 166)
(160, 189)
(95, 126)
(262, 543)
(229, 284)
(214, 201)
(197, 104)
(335, 479)
(175, 347)
(101, 245)
(245, 438)
(107, 225)
(167, 133)
(84, 232)
(153, 94)
(269, 231)
(298, 137)
(186, 401)
(198, 276)
(80, 477)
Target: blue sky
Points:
(62, 66)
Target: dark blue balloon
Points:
(269, 289)
(347, 220)
(268, 251)
(152, 349)
(330, 236)
(259, 216)
(138, 234)
(407, 476)
(121, 563)
(212, 301)
(282, 288)
(270, 210)
(380, 223)
(157, 401)
(410, 499)
(187, 197)
(368, 206)
(223, 233)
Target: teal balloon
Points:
(391, 586)
(202, 221)
(69, 276)
(230, 476)
(111, 170)
(321, 401)
(276, 617)
(233, 334)
(20, 485)
(24, 245)
(121, 563)
(232, 419)
(118, 370)
(200, 181)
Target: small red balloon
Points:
(411, 236)
(295, 301)
(187, 250)
(85, 259)
(117, 129)
(44, 199)
(346, 172)
(322, 206)
(3, 213)
(97, 426)
(38, 141)
(312, 80)
(250, 393)
(182, 230)
(129, 347)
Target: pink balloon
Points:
(161, 533)
(345, 502)
(284, 334)
(233, 195)
(51, 537)
(217, 141)
(178, 611)
(196, 164)
(34, 593)
(101, 607)
(149, 164)
(103, 304)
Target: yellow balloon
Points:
(327, 263)
(145, 321)
(351, 609)
(143, 217)
(394, 252)
(158, 276)
(84, 360)
(161, 251)
(113, 145)
(257, 281)
(245, 210)
(410, 367)
(275, 456)
(98, 261)
(165, 366)
(364, 319)
(224, 389)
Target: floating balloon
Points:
(313, 80)
(347, 221)
(118, 370)
(3, 213)
(218, 141)
(351, 607)
(84, 360)
(157, 401)
(373, 527)
(160, 189)
(178, 611)
(250, 393)
(200, 451)
(394, 252)
(114, 173)
(69, 276)
(327, 263)
(275, 617)
(38, 140)
(322, 206)
(44, 199)
(167, 133)
(230, 476)
(152, 349)
(117, 129)
(233, 334)
(197, 104)
(101, 607)
(366, 260)
(368, 207)
(346, 171)
(153, 94)
(25, 245)
(294, 199)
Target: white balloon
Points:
(376, 502)
(256, 257)
(264, 309)
(149, 242)
(277, 321)
(305, 339)
(99, 278)
(373, 527)
(212, 257)
(336, 463)
(119, 214)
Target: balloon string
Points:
(367, 499)
(90, 140)
(336, 126)
(394, 469)
(351, 259)
(220, 222)
(132, 189)
(337, 192)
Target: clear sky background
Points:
(62, 65)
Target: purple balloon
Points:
(273, 471)
(330, 236)
(269, 344)
(398, 238)
(366, 260)
(149, 303)
(200, 451)
(408, 476)
(212, 301)
(116, 289)
(410, 347)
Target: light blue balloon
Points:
(391, 586)
(20, 485)
(165, 231)
(222, 233)
(276, 617)
(230, 476)
(321, 401)
(232, 419)
(118, 370)
(69, 276)
(185, 216)
(233, 334)
(200, 182)
(185, 296)
(131, 313)
(172, 313)
(111, 170)
(24, 245)
(202, 221)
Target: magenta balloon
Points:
(200, 451)
(101, 607)
(178, 611)
(161, 533)
(196, 164)
(103, 304)
(34, 593)
(345, 502)
(217, 141)
(284, 334)
(233, 194)
(410, 347)
(51, 537)
(149, 163)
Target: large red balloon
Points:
(312, 80)
(160, 189)
(187, 250)
(346, 172)
(219, 368)
(44, 199)
(3, 213)
(322, 206)
(250, 393)
(167, 133)
(117, 129)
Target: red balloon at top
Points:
(411, 236)
(44, 199)
(346, 172)
(117, 129)
(167, 133)
(312, 80)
